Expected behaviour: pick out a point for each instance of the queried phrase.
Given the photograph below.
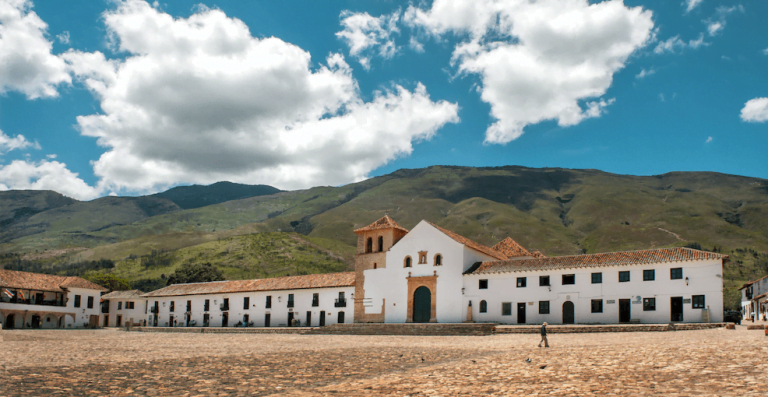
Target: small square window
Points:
(543, 307)
(697, 301)
(521, 282)
(597, 305)
(623, 277)
(543, 281)
(483, 284)
(649, 275)
(506, 308)
(597, 278)
(569, 279)
(649, 304)
(676, 273)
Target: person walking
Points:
(544, 335)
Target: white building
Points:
(754, 298)
(430, 274)
(311, 300)
(118, 308)
(32, 300)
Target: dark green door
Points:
(422, 305)
(568, 317)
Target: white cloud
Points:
(17, 142)
(368, 36)
(417, 46)
(717, 23)
(45, 175)
(51, 156)
(709, 139)
(25, 53)
(645, 73)
(765, 51)
(199, 100)
(691, 4)
(538, 60)
(675, 44)
(63, 37)
(661, 97)
(755, 110)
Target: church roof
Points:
(384, 222)
(511, 248)
(325, 280)
(469, 243)
(44, 282)
(643, 257)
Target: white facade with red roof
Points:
(399, 278)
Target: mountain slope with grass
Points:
(557, 211)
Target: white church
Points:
(430, 274)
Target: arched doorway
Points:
(10, 321)
(422, 305)
(35, 321)
(568, 317)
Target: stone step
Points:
(407, 329)
(578, 329)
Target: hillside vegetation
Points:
(557, 211)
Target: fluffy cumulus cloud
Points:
(199, 100)
(543, 60)
(45, 175)
(369, 36)
(25, 53)
(755, 110)
(18, 142)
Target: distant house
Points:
(754, 298)
(120, 307)
(32, 300)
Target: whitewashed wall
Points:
(83, 313)
(704, 278)
(391, 282)
(749, 308)
(137, 313)
(256, 310)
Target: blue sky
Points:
(127, 97)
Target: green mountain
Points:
(197, 196)
(557, 211)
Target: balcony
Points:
(340, 303)
(154, 310)
(224, 307)
(290, 303)
(35, 302)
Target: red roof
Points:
(661, 255)
(471, 244)
(384, 222)
(748, 283)
(511, 248)
(326, 280)
(44, 282)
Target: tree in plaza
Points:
(195, 273)
(109, 281)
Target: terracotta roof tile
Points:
(384, 222)
(594, 260)
(748, 283)
(43, 282)
(511, 248)
(132, 294)
(326, 280)
(537, 254)
(471, 244)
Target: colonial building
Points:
(754, 298)
(120, 307)
(430, 274)
(32, 300)
(311, 300)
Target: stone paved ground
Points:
(109, 362)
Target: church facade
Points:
(430, 274)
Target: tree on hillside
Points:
(109, 281)
(195, 273)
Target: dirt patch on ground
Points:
(108, 362)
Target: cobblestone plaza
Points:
(111, 362)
